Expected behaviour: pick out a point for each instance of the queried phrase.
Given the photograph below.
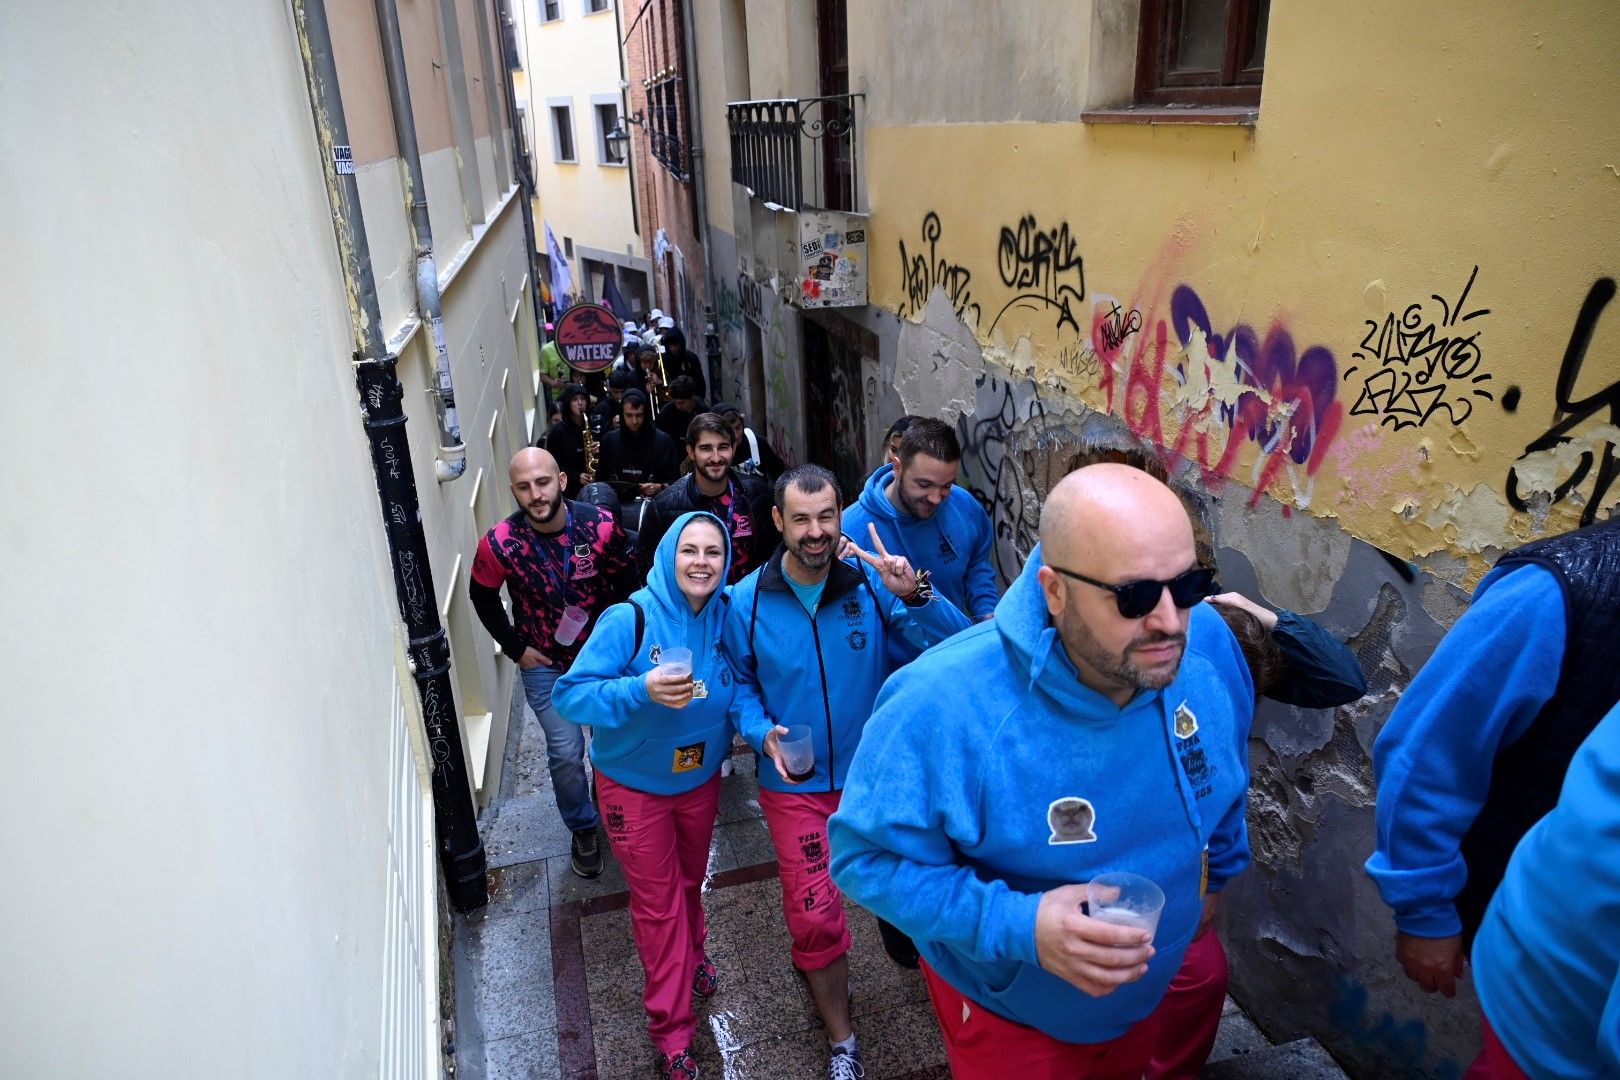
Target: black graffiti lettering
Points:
(922, 273)
(1045, 266)
(1571, 414)
(1424, 367)
(1030, 257)
(751, 299)
(1118, 325)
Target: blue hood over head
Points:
(663, 591)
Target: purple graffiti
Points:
(1310, 380)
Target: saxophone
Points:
(592, 451)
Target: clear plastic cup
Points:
(798, 753)
(1125, 900)
(572, 622)
(676, 663)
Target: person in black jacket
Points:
(682, 406)
(638, 459)
(566, 439)
(679, 360)
(751, 453)
(742, 502)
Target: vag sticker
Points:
(688, 758)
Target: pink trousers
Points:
(1190, 1012)
(662, 844)
(811, 903)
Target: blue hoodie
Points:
(953, 545)
(1481, 689)
(990, 774)
(823, 672)
(1547, 958)
(641, 744)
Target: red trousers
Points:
(662, 843)
(1190, 1012)
(1494, 1062)
(984, 1046)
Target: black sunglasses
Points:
(1138, 598)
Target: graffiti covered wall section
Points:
(1403, 424)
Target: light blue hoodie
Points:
(954, 545)
(641, 744)
(1547, 959)
(989, 774)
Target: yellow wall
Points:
(577, 57)
(1396, 151)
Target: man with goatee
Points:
(563, 563)
(1099, 723)
(743, 502)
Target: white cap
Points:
(630, 325)
(654, 315)
(665, 323)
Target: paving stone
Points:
(750, 841)
(514, 890)
(527, 829)
(1303, 1059)
(568, 887)
(514, 957)
(1237, 1037)
(530, 1056)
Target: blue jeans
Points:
(565, 750)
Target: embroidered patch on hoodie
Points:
(1186, 722)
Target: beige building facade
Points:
(220, 825)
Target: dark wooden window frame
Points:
(1158, 84)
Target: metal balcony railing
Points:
(797, 152)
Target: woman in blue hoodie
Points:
(657, 744)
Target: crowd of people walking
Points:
(971, 766)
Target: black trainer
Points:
(586, 851)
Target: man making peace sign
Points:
(812, 638)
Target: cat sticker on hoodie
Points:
(1071, 819)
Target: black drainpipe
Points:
(461, 851)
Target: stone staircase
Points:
(1243, 1053)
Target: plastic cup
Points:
(798, 753)
(572, 622)
(1125, 900)
(676, 663)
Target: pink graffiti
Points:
(1289, 409)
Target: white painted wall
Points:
(199, 638)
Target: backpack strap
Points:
(641, 628)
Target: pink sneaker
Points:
(706, 979)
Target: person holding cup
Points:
(656, 689)
(1098, 724)
(812, 637)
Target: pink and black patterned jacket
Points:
(588, 564)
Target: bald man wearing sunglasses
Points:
(1099, 723)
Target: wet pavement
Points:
(548, 986)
